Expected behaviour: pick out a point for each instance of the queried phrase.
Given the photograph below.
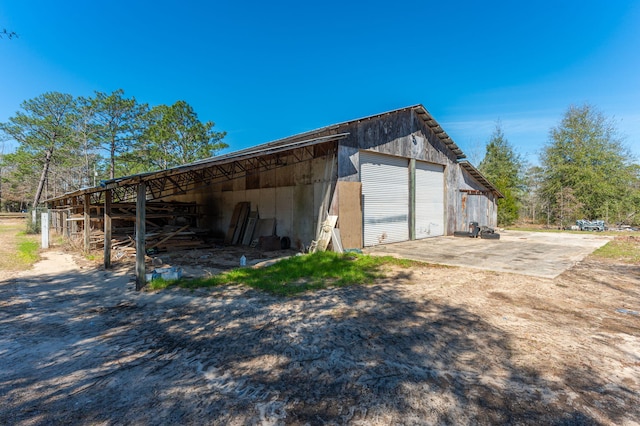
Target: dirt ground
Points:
(427, 345)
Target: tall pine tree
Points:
(503, 167)
(43, 130)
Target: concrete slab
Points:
(539, 254)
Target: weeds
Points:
(18, 250)
(624, 249)
(27, 250)
(298, 274)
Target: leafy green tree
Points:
(532, 206)
(118, 124)
(503, 166)
(174, 136)
(43, 130)
(586, 155)
(19, 178)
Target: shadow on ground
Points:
(83, 347)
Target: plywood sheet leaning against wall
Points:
(240, 213)
(251, 226)
(350, 212)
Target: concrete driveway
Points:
(540, 254)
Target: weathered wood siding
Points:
(404, 134)
(296, 193)
(474, 203)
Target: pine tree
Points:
(502, 166)
(43, 130)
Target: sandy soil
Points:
(430, 345)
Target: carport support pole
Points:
(141, 230)
(87, 222)
(107, 228)
(412, 199)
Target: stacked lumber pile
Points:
(167, 238)
(169, 227)
(172, 238)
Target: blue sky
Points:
(267, 70)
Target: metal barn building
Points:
(390, 177)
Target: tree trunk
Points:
(112, 168)
(43, 177)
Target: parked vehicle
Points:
(591, 225)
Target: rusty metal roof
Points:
(480, 177)
(292, 142)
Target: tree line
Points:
(585, 171)
(65, 143)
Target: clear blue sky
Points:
(265, 70)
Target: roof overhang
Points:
(475, 173)
(422, 112)
(290, 143)
(273, 148)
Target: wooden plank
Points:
(250, 228)
(168, 237)
(350, 211)
(325, 232)
(65, 225)
(107, 229)
(140, 235)
(242, 219)
(336, 241)
(233, 224)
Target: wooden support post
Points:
(412, 199)
(65, 224)
(72, 211)
(141, 230)
(107, 228)
(87, 222)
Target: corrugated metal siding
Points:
(429, 200)
(474, 208)
(385, 192)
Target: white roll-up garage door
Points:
(385, 191)
(429, 200)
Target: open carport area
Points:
(539, 254)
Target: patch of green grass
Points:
(626, 250)
(27, 251)
(298, 274)
(160, 283)
(18, 250)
